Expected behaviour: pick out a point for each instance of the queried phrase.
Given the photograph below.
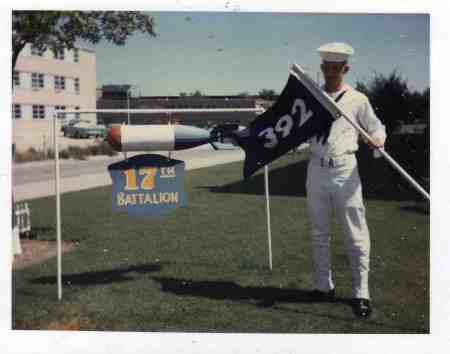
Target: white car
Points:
(85, 129)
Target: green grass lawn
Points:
(205, 267)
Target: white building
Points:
(44, 82)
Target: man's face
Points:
(333, 72)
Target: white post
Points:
(269, 233)
(169, 153)
(58, 204)
(128, 115)
(124, 153)
(128, 104)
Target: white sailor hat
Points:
(335, 52)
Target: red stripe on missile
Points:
(114, 138)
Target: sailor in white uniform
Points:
(333, 182)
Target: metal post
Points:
(128, 113)
(58, 205)
(169, 153)
(128, 104)
(269, 232)
(124, 153)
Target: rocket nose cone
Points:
(114, 138)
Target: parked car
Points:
(85, 129)
(70, 123)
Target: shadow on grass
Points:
(227, 290)
(265, 297)
(419, 208)
(379, 180)
(285, 181)
(101, 277)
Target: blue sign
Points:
(147, 185)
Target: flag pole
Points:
(337, 112)
(58, 204)
(269, 233)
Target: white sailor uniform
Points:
(333, 183)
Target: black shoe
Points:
(322, 296)
(362, 308)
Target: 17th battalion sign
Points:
(147, 185)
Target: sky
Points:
(234, 52)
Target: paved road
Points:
(43, 171)
(37, 179)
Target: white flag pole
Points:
(337, 112)
(58, 204)
(269, 233)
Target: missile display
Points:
(158, 137)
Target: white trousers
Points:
(336, 185)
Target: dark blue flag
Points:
(298, 114)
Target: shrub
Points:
(64, 154)
(93, 150)
(30, 155)
(77, 152)
(50, 154)
(105, 149)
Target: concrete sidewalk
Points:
(193, 158)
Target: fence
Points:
(23, 218)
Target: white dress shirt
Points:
(343, 138)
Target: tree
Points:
(56, 30)
(389, 97)
(420, 105)
(426, 99)
(394, 103)
(196, 93)
(267, 94)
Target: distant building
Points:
(416, 128)
(44, 82)
(115, 97)
(266, 104)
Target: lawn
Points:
(204, 268)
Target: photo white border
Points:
(104, 342)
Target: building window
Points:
(77, 85)
(60, 108)
(60, 83)
(37, 80)
(36, 51)
(77, 115)
(38, 112)
(76, 55)
(17, 112)
(16, 78)
(59, 54)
